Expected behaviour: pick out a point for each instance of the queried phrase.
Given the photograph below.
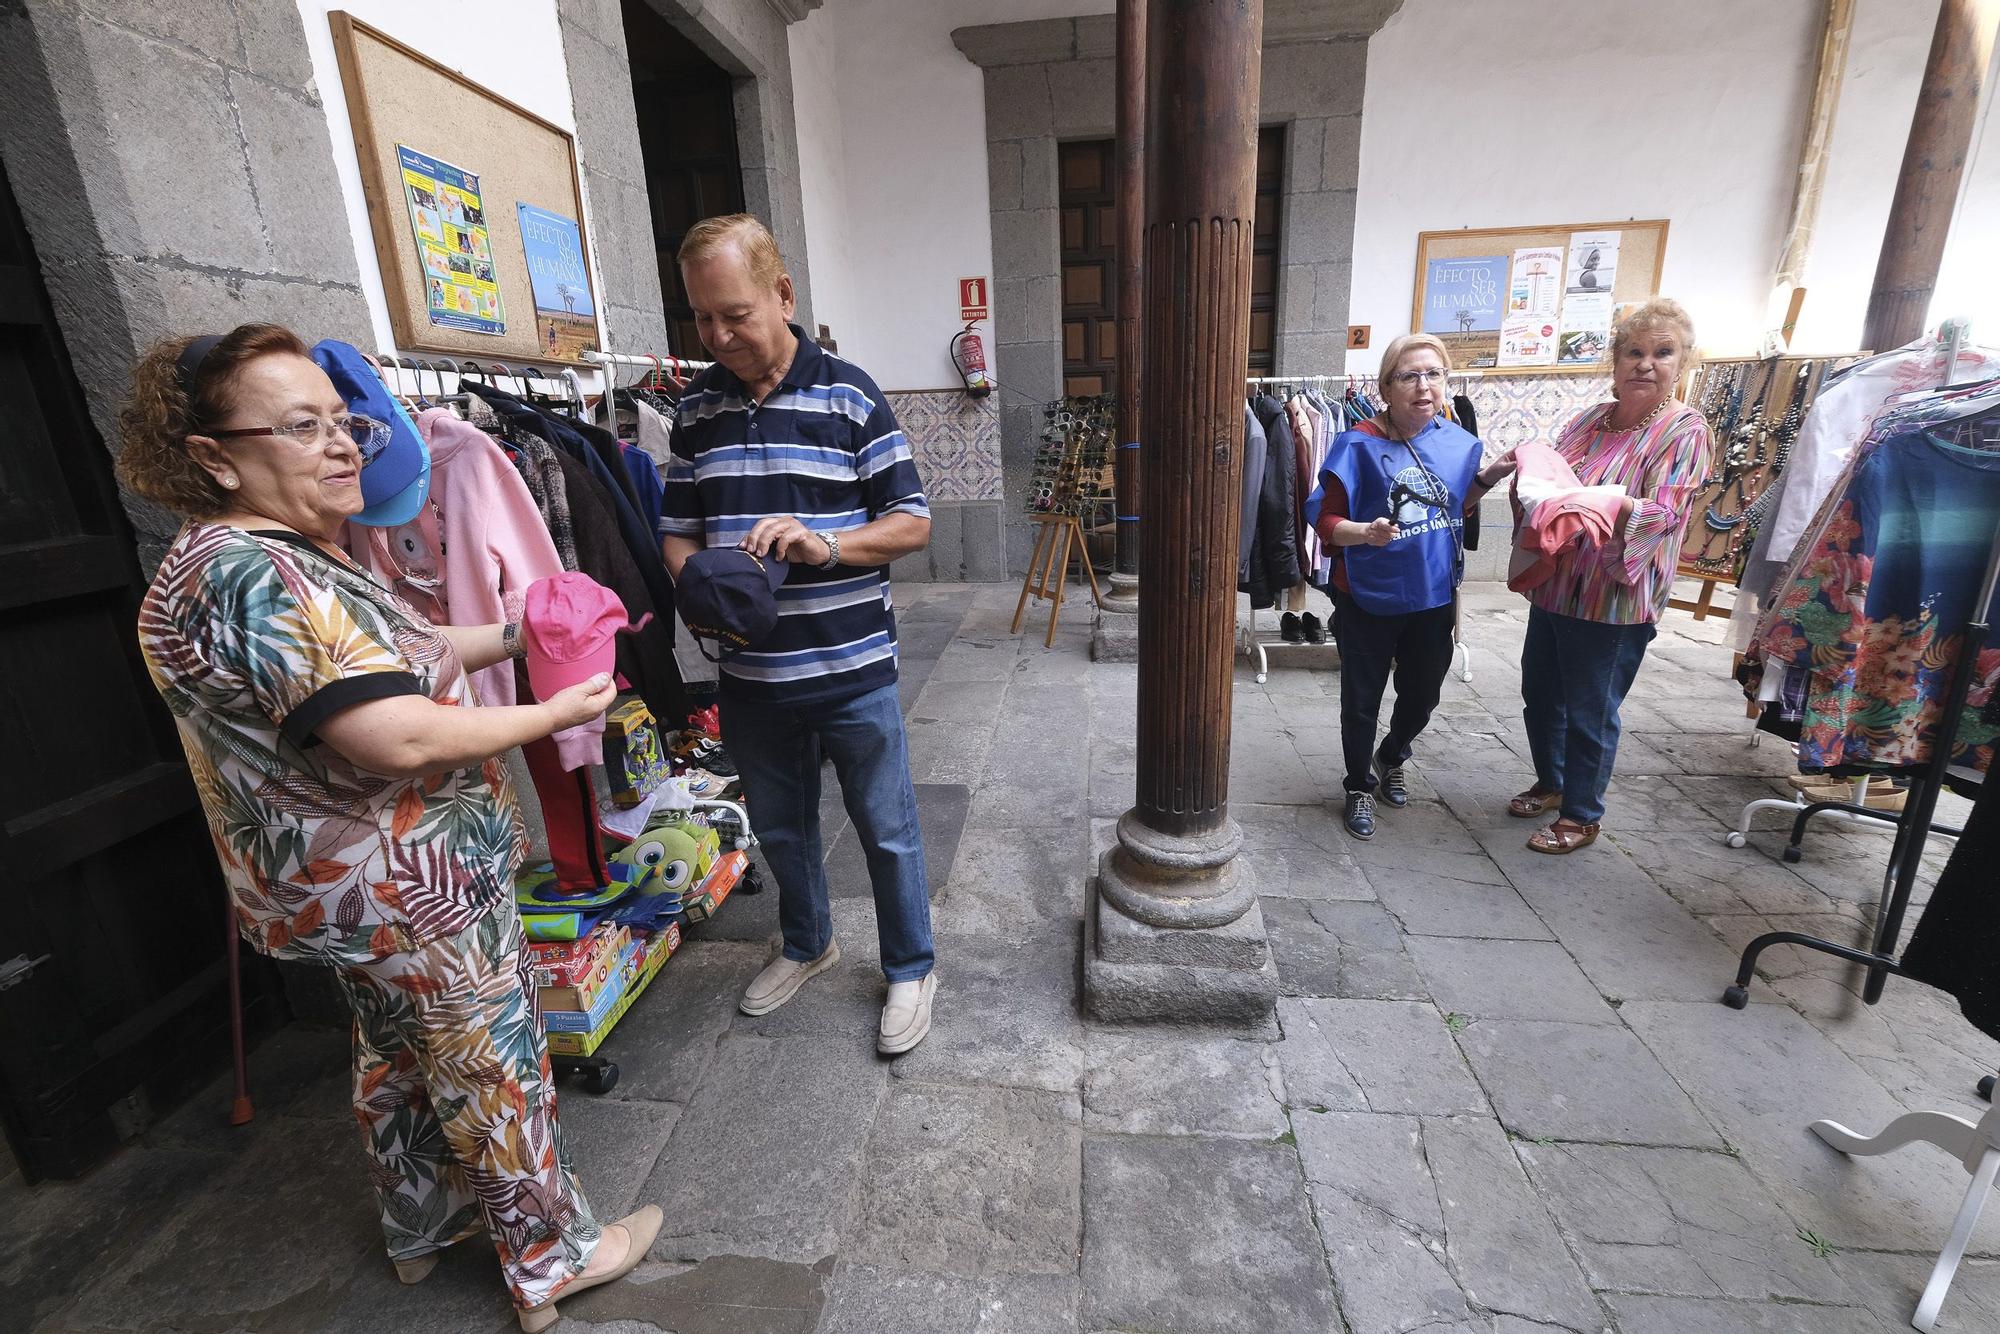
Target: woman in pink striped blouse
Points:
(1589, 624)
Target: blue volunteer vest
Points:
(1419, 570)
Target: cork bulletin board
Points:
(407, 108)
(1534, 300)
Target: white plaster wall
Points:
(1520, 112)
(912, 113)
(816, 108)
(1693, 112)
(513, 47)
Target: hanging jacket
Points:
(1958, 936)
(575, 440)
(1467, 417)
(646, 656)
(1274, 557)
(1254, 447)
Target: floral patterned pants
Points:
(457, 1107)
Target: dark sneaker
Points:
(1395, 786)
(1288, 629)
(1360, 818)
(1309, 625)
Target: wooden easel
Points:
(1702, 605)
(1059, 535)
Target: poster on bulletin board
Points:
(565, 317)
(455, 252)
(1534, 299)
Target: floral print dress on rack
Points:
(1874, 607)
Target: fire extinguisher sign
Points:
(972, 299)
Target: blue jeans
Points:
(777, 752)
(1574, 675)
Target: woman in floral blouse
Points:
(1590, 622)
(358, 807)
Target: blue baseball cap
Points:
(728, 595)
(395, 482)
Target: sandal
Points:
(1564, 836)
(1527, 805)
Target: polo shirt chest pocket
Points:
(821, 470)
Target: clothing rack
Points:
(566, 383)
(1250, 642)
(1975, 1145)
(657, 362)
(1855, 810)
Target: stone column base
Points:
(1134, 973)
(1116, 638)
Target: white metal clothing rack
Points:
(653, 361)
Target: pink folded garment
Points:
(1557, 512)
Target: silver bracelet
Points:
(510, 640)
(832, 541)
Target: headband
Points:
(189, 365)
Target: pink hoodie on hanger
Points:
(470, 554)
(1556, 511)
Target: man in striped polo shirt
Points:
(793, 454)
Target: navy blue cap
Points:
(728, 595)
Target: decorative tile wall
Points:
(956, 441)
(1516, 409)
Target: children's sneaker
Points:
(710, 755)
(705, 786)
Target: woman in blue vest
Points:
(1395, 493)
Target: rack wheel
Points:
(752, 881)
(1734, 839)
(1736, 997)
(1986, 1088)
(1261, 677)
(1795, 854)
(601, 1079)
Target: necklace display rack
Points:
(1067, 483)
(1754, 408)
(1976, 1145)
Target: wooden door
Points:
(1089, 220)
(112, 1000)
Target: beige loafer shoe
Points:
(640, 1230)
(906, 1018)
(782, 978)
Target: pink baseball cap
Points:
(569, 627)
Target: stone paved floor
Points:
(1498, 1095)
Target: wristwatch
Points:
(832, 541)
(510, 640)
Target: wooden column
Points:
(1131, 155)
(1933, 165)
(1175, 863)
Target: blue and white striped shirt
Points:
(825, 448)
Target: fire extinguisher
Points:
(969, 356)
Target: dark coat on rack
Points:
(1274, 557)
(1957, 940)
